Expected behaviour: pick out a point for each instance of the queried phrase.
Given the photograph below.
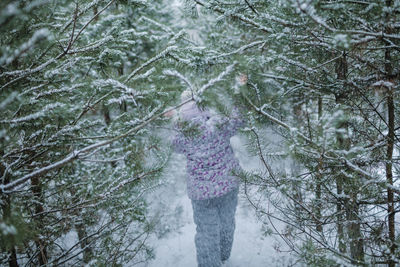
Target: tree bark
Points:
(40, 242)
(6, 209)
(341, 70)
(296, 169)
(389, 177)
(390, 139)
(12, 261)
(339, 216)
(84, 242)
(350, 205)
(354, 230)
(318, 191)
(81, 229)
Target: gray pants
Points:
(215, 225)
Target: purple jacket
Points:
(210, 159)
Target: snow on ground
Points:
(173, 242)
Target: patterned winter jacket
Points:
(204, 140)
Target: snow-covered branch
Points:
(329, 154)
(177, 74)
(150, 61)
(309, 10)
(239, 50)
(91, 20)
(217, 79)
(76, 154)
(239, 16)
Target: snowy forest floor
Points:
(173, 241)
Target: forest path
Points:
(174, 240)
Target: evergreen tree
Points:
(81, 84)
(325, 76)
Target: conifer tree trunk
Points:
(296, 169)
(40, 243)
(351, 206)
(339, 216)
(6, 210)
(389, 176)
(341, 74)
(318, 192)
(13, 258)
(81, 229)
(84, 242)
(390, 137)
(354, 228)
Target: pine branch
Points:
(237, 16)
(251, 7)
(161, 55)
(219, 78)
(329, 154)
(239, 50)
(76, 154)
(181, 77)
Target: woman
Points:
(203, 138)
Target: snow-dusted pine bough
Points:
(324, 76)
(81, 81)
(83, 85)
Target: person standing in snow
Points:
(204, 138)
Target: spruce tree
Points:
(81, 84)
(324, 75)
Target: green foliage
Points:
(314, 257)
(314, 72)
(81, 82)
(14, 231)
(80, 93)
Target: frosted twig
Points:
(297, 81)
(327, 62)
(82, 11)
(88, 106)
(281, 21)
(180, 76)
(76, 154)
(114, 84)
(323, 23)
(73, 28)
(219, 78)
(28, 71)
(166, 29)
(295, 63)
(330, 155)
(35, 115)
(176, 37)
(93, 18)
(144, 75)
(91, 46)
(104, 160)
(151, 60)
(179, 59)
(239, 50)
(24, 73)
(236, 15)
(161, 26)
(251, 7)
